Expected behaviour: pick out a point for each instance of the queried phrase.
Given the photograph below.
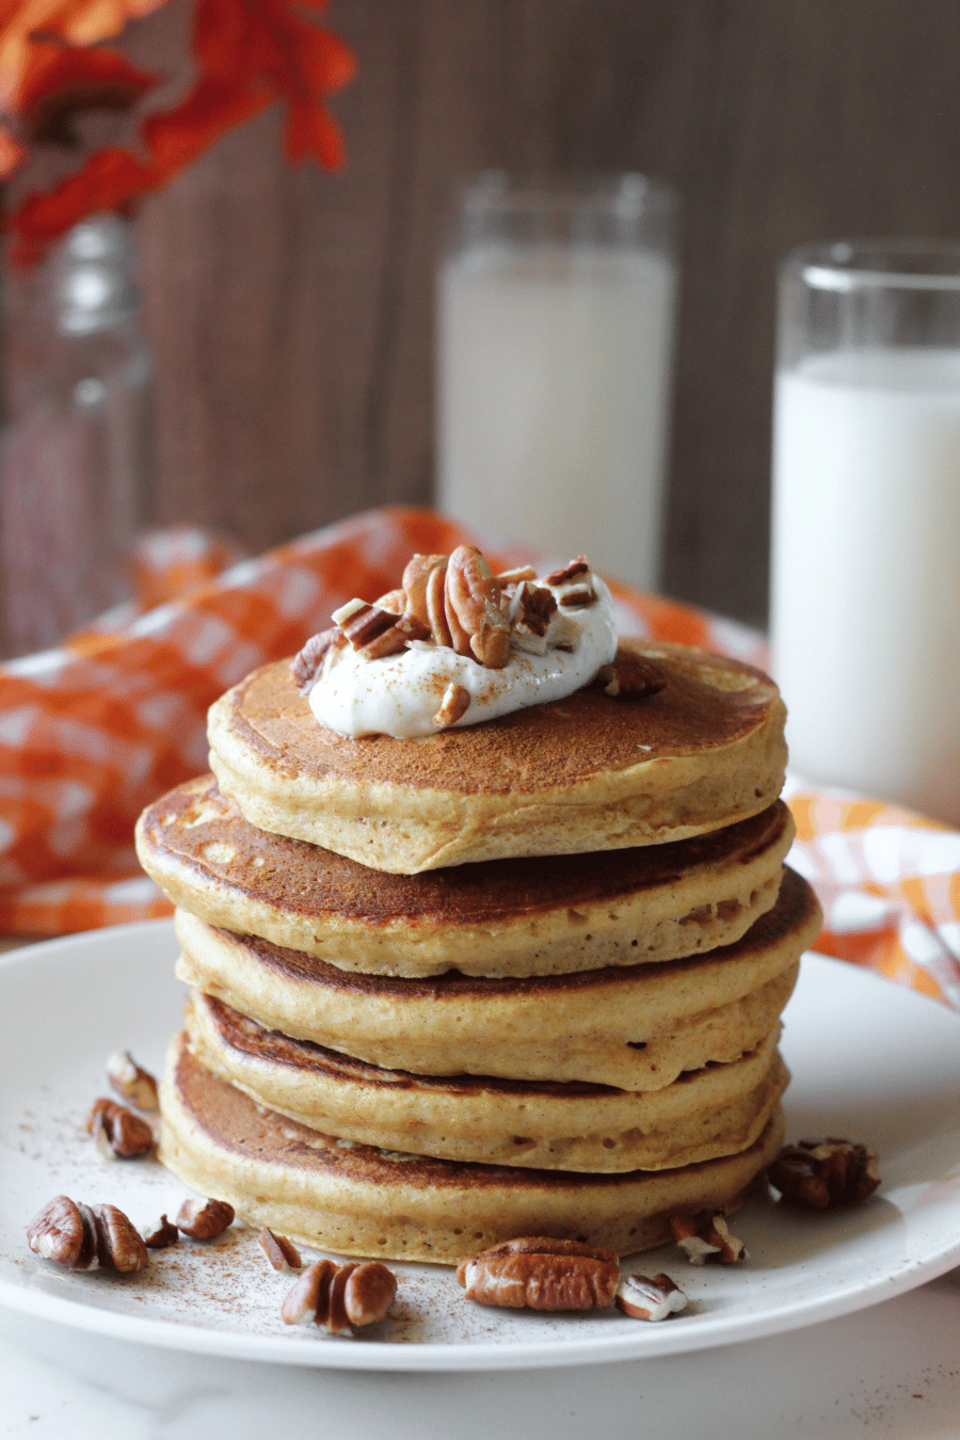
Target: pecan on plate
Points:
(86, 1237)
(204, 1219)
(339, 1298)
(131, 1082)
(649, 1297)
(281, 1252)
(117, 1132)
(820, 1174)
(161, 1234)
(706, 1237)
(538, 1273)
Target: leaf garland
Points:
(249, 54)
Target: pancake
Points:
(357, 1200)
(542, 915)
(576, 775)
(636, 1029)
(716, 1111)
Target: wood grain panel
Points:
(292, 312)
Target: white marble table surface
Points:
(890, 1371)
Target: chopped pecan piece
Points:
(204, 1219)
(538, 1273)
(136, 1085)
(281, 1252)
(394, 601)
(646, 1297)
(161, 1234)
(575, 570)
(339, 1297)
(579, 598)
(516, 576)
(306, 665)
(86, 1237)
(477, 625)
(376, 633)
(706, 1237)
(531, 612)
(630, 677)
(369, 629)
(117, 1132)
(454, 705)
(823, 1173)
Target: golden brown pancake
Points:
(634, 1028)
(357, 1200)
(581, 774)
(542, 915)
(716, 1111)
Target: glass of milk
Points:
(555, 329)
(865, 589)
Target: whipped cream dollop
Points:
(401, 694)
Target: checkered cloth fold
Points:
(93, 731)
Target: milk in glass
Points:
(553, 390)
(865, 612)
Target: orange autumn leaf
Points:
(62, 80)
(12, 153)
(79, 22)
(250, 54)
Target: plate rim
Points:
(328, 1352)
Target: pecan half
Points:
(415, 580)
(538, 1273)
(306, 665)
(477, 625)
(281, 1252)
(117, 1132)
(339, 1297)
(204, 1219)
(136, 1085)
(435, 600)
(820, 1174)
(630, 677)
(706, 1237)
(86, 1237)
(646, 1297)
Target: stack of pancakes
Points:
(522, 977)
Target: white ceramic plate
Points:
(871, 1061)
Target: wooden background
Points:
(292, 311)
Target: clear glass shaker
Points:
(77, 452)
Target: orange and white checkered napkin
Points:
(93, 731)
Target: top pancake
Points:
(581, 774)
